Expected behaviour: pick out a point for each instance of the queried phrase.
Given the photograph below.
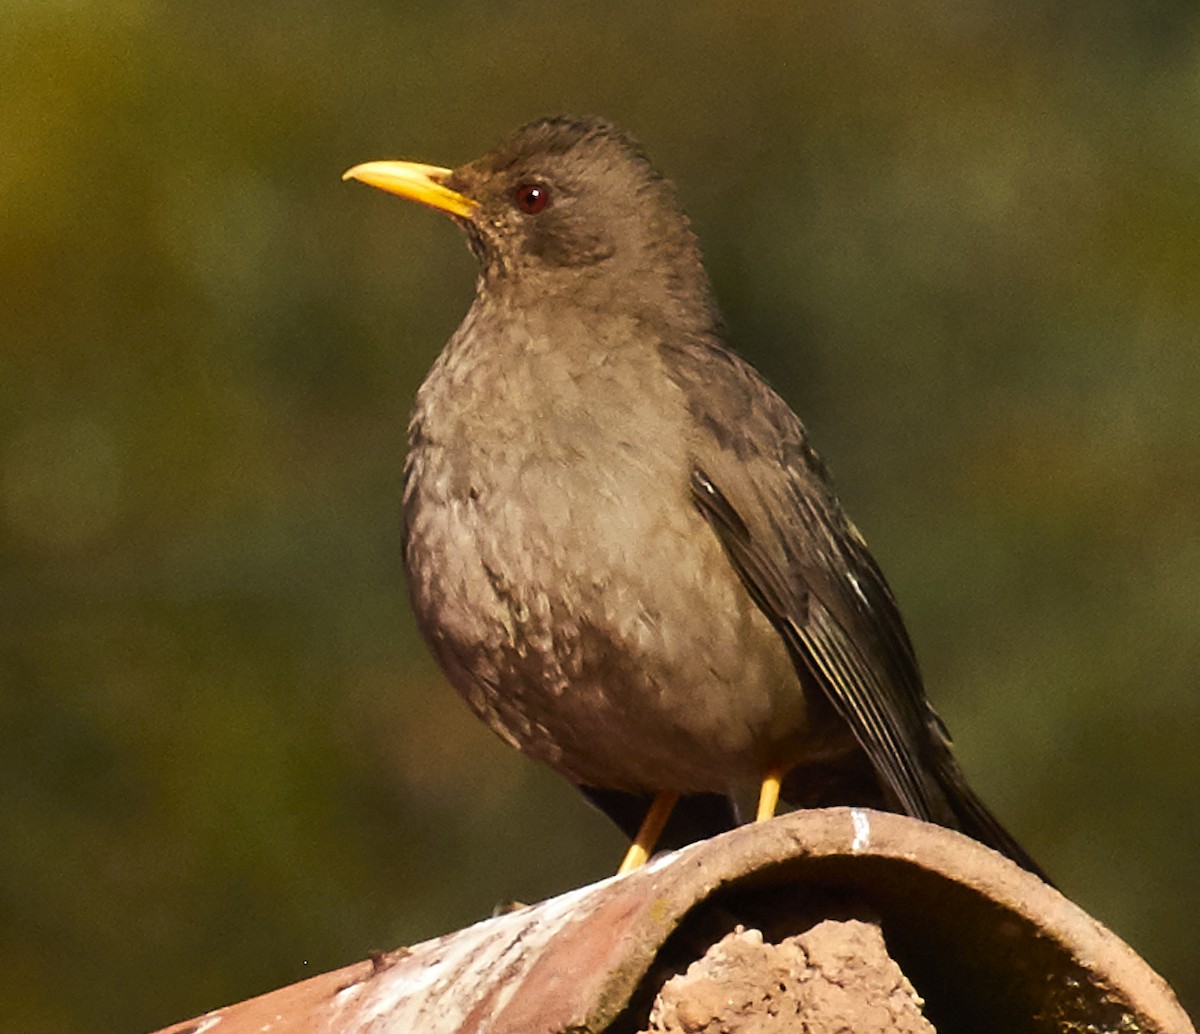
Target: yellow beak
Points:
(423, 183)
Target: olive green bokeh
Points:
(962, 239)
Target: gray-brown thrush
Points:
(620, 546)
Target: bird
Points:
(620, 545)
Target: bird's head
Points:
(566, 209)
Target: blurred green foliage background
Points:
(962, 238)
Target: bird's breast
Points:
(569, 587)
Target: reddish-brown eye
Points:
(532, 197)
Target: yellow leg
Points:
(648, 834)
(768, 794)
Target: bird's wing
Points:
(766, 495)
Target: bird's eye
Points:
(531, 198)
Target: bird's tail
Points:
(974, 818)
(703, 815)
